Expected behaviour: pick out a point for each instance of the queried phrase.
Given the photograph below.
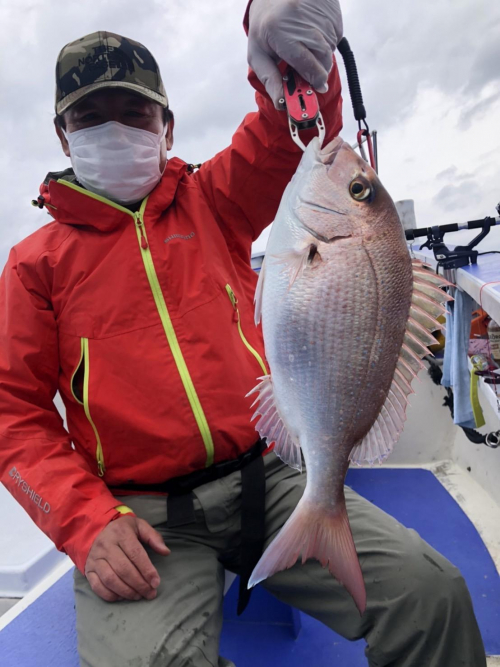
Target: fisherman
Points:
(136, 304)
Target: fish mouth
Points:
(329, 153)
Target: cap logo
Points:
(104, 56)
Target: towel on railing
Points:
(455, 369)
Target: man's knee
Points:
(438, 591)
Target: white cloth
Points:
(304, 34)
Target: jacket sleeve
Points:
(244, 183)
(38, 465)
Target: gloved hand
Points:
(303, 33)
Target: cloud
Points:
(449, 172)
(429, 75)
(453, 173)
(404, 48)
(453, 197)
(484, 67)
(475, 109)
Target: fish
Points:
(347, 316)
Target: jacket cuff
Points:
(86, 527)
(122, 510)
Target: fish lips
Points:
(344, 163)
(328, 153)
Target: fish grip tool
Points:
(302, 106)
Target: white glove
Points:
(303, 33)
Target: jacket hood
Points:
(70, 203)
(43, 198)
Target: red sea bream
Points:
(346, 317)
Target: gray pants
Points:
(419, 612)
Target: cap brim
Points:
(77, 95)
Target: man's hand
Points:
(118, 566)
(303, 33)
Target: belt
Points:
(180, 507)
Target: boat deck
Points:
(44, 633)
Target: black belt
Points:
(180, 507)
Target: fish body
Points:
(335, 296)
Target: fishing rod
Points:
(454, 259)
(460, 255)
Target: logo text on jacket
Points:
(24, 486)
(179, 236)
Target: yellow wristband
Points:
(123, 509)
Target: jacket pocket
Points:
(252, 350)
(80, 381)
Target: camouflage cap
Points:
(106, 60)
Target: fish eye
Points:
(360, 189)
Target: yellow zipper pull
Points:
(232, 296)
(234, 301)
(140, 224)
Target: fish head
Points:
(342, 197)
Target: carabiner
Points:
(365, 132)
(493, 440)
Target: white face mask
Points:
(119, 162)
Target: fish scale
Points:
(335, 293)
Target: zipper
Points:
(84, 357)
(168, 327)
(234, 302)
(166, 320)
(99, 453)
(75, 372)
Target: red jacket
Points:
(132, 318)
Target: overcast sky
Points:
(430, 74)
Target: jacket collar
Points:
(69, 203)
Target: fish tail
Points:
(320, 533)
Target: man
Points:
(136, 304)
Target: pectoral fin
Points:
(295, 262)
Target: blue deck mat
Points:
(44, 635)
